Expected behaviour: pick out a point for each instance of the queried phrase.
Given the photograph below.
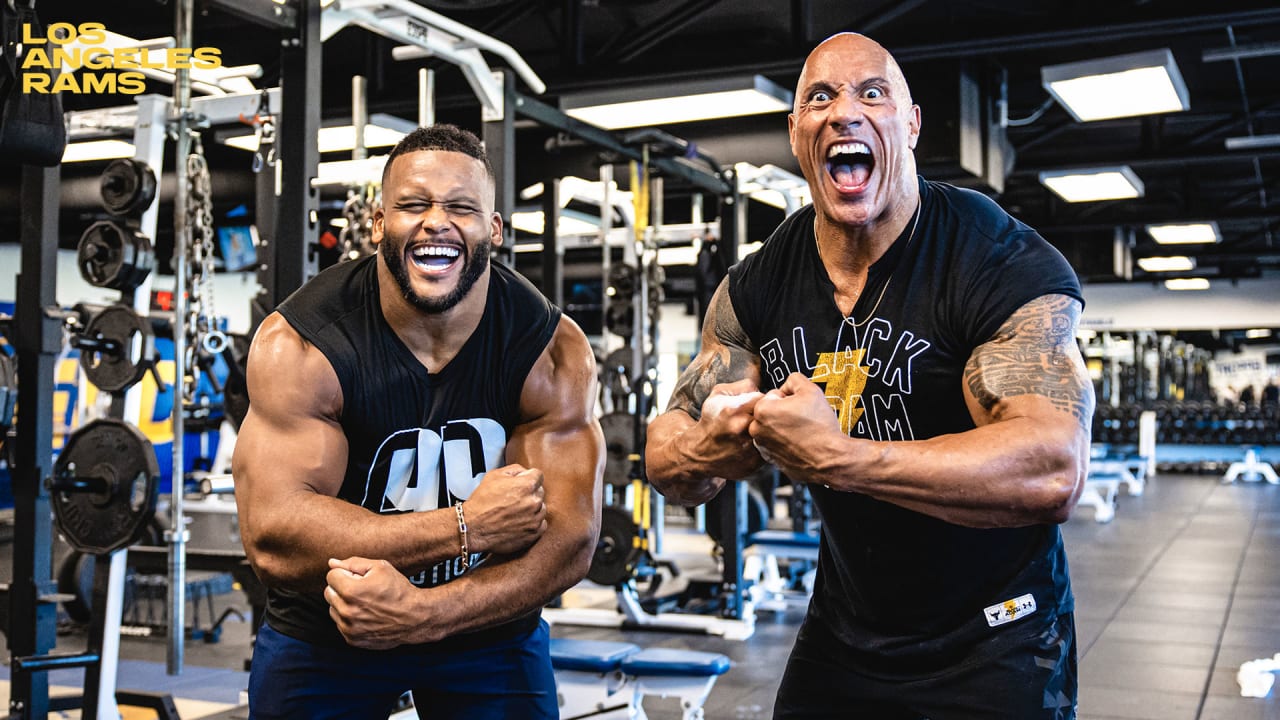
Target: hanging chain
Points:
(204, 339)
(357, 237)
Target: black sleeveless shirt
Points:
(417, 440)
(905, 591)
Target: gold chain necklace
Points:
(883, 290)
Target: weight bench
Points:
(594, 677)
(1251, 469)
(760, 564)
(1100, 490)
(1132, 470)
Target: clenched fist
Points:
(506, 512)
(725, 442)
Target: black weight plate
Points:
(616, 552)
(113, 371)
(619, 442)
(103, 522)
(620, 318)
(75, 578)
(114, 256)
(622, 282)
(127, 186)
(617, 370)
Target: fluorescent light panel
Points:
(1257, 333)
(533, 222)
(1187, 284)
(678, 103)
(1174, 263)
(97, 150)
(1185, 233)
(1115, 183)
(382, 131)
(1143, 83)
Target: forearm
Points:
(508, 587)
(1008, 474)
(290, 543)
(673, 464)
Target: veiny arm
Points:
(701, 441)
(1031, 398)
(289, 462)
(562, 439)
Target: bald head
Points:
(848, 44)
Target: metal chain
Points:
(203, 335)
(356, 238)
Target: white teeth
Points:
(424, 251)
(852, 148)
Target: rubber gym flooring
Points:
(1172, 596)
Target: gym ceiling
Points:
(1182, 158)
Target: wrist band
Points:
(463, 556)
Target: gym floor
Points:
(1172, 596)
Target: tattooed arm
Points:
(701, 441)
(1025, 462)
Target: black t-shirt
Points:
(418, 440)
(903, 590)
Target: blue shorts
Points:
(509, 679)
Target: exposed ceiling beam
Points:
(1140, 217)
(659, 29)
(1167, 160)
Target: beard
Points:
(476, 263)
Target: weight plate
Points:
(622, 282)
(114, 256)
(620, 318)
(127, 186)
(616, 552)
(619, 443)
(116, 348)
(101, 522)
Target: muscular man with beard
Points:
(395, 475)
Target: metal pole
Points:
(177, 535)
(426, 97)
(606, 251)
(359, 117)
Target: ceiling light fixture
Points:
(1185, 233)
(383, 130)
(1143, 83)
(533, 222)
(1175, 263)
(678, 102)
(1257, 333)
(1108, 183)
(1187, 284)
(97, 150)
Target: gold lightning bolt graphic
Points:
(844, 376)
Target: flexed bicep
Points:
(1033, 353)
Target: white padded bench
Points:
(761, 551)
(1100, 490)
(1251, 469)
(594, 677)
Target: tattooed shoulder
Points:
(1034, 352)
(727, 355)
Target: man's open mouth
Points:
(850, 164)
(435, 258)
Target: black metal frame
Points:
(37, 337)
(499, 136)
